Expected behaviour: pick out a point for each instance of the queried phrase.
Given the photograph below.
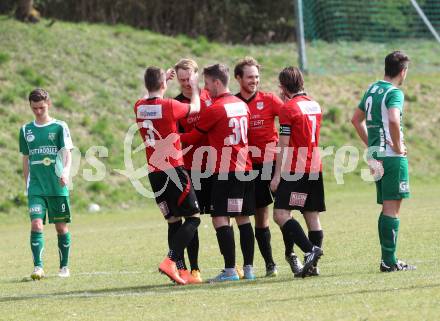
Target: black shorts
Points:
(174, 200)
(263, 194)
(203, 193)
(232, 197)
(302, 194)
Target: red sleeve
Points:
(276, 103)
(180, 110)
(192, 137)
(284, 115)
(208, 118)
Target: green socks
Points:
(388, 231)
(64, 249)
(37, 247)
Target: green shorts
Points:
(394, 184)
(57, 208)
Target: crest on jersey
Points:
(47, 161)
(260, 105)
(208, 102)
(29, 136)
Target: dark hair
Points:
(395, 62)
(154, 77)
(218, 71)
(38, 94)
(247, 61)
(291, 79)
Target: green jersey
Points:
(42, 143)
(380, 97)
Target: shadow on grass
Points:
(147, 290)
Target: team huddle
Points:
(212, 152)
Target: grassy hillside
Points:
(94, 74)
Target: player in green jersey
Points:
(378, 122)
(46, 147)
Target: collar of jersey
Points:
(44, 125)
(249, 99)
(299, 94)
(224, 95)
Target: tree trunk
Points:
(26, 11)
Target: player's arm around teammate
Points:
(157, 119)
(46, 147)
(202, 184)
(225, 123)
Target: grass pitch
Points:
(115, 257)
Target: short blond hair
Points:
(186, 64)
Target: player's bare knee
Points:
(37, 225)
(173, 219)
(312, 221)
(280, 217)
(242, 220)
(61, 228)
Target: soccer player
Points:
(183, 70)
(225, 123)
(263, 139)
(378, 122)
(46, 145)
(157, 120)
(299, 185)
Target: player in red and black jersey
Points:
(157, 120)
(263, 139)
(225, 123)
(298, 182)
(197, 169)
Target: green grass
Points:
(94, 73)
(115, 257)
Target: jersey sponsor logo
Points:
(52, 136)
(297, 199)
(309, 107)
(236, 109)
(47, 150)
(35, 209)
(257, 123)
(260, 105)
(193, 119)
(404, 187)
(163, 206)
(149, 112)
(235, 205)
